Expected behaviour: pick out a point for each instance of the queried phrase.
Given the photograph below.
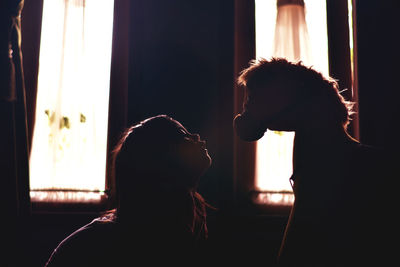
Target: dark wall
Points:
(174, 60)
(181, 65)
(378, 72)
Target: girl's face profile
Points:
(192, 151)
(169, 148)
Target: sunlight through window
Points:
(274, 150)
(70, 136)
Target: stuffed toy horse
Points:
(344, 208)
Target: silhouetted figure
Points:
(344, 212)
(160, 217)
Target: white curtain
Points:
(290, 40)
(70, 135)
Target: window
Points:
(277, 25)
(68, 157)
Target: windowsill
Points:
(68, 201)
(283, 198)
(272, 203)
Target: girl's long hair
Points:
(145, 174)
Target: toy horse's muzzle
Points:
(248, 128)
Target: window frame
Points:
(245, 50)
(117, 112)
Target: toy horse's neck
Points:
(312, 149)
(322, 138)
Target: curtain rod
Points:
(290, 2)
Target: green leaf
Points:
(83, 118)
(64, 122)
(51, 115)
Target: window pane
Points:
(274, 150)
(70, 135)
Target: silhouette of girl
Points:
(160, 216)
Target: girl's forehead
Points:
(180, 127)
(173, 130)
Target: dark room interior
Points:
(182, 58)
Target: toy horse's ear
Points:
(248, 128)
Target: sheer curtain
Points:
(70, 135)
(290, 40)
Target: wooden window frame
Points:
(339, 68)
(117, 114)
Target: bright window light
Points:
(70, 135)
(275, 149)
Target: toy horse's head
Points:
(271, 95)
(265, 108)
(279, 94)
